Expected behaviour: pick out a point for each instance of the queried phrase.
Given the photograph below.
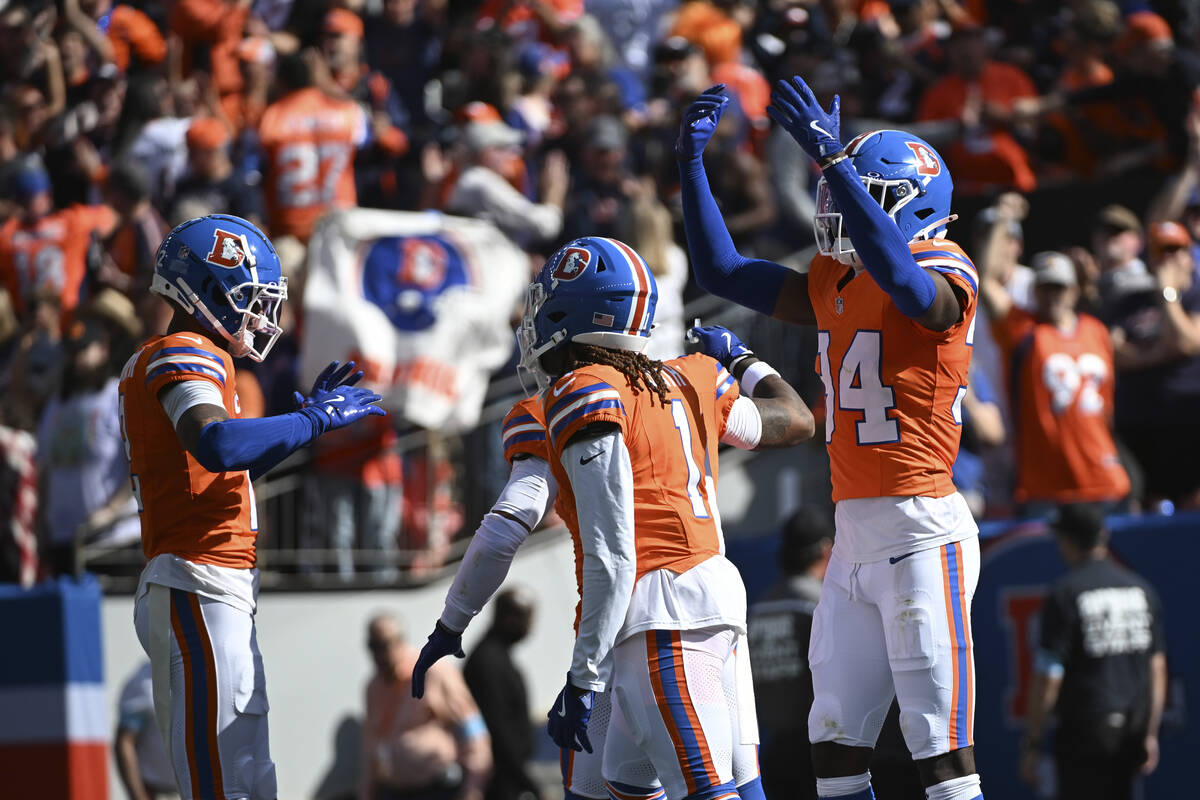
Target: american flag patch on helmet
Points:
(602, 319)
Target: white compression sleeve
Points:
(602, 481)
(530, 491)
(185, 394)
(743, 428)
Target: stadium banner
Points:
(54, 721)
(422, 301)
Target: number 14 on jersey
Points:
(859, 388)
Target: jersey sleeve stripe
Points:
(518, 420)
(202, 369)
(520, 429)
(534, 436)
(191, 351)
(591, 407)
(933, 255)
(725, 384)
(184, 359)
(562, 402)
(971, 278)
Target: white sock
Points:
(955, 789)
(837, 787)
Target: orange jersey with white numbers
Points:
(201, 516)
(893, 389)
(310, 139)
(524, 431)
(1061, 395)
(672, 450)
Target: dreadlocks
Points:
(640, 371)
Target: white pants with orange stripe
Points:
(900, 628)
(210, 695)
(674, 715)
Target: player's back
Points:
(310, 140)
(187, 511)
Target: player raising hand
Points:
(192, 460)
(894, 304)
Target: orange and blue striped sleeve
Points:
(524, 431)
(172, 359)
(946, 257)
(577, 400)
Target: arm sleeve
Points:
(879, 243)
(720, 269)
(1054, 643)
(179, 397)
(233, 445)
(603, 489)
(529, 492)
(514, 212)
(743, 428)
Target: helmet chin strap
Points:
(933, 226)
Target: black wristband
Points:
(738, 367)
(831, 159)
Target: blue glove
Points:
(795, 108)
(719, 343)
(700, 122)
(442, 642)
(345, 404)
(330, 378)
(568, 719)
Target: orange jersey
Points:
(524, 431)
(51, 254)
(201, 516)
(1061, 394)
(893, 388)
(310, 139)
(672, 450)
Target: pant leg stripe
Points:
(189, 694)
(949, 583)
(968, 657)
(213, 702)
(679, 714)
(659, 670)
(954, 563)
(204, 758)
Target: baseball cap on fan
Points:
(1051, 268)
(480, 135)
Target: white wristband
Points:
(753, 374)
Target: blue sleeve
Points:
(233, 445)
(981, 385)
(720, 269)
(879, 243)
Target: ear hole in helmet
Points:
(922, 213)
(600, 267)
(556, 316)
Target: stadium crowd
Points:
(1071, 131)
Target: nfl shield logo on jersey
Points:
(227, 251)
(573, 264)
(839, 305)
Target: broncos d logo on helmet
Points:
(227, 250)
(927, 160)
(573, 263)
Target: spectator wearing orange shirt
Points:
(981, 93)
(532, 19)
(211, 31)
(1060, 388)
(43, 250)
(116, 32)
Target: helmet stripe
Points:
(639, 319)
(852, 148)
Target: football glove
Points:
(344, 405)
(700, 122)
(442, 642)
(795, 108)
(330, 378)
(568, 720)
(719, 343)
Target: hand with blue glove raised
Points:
(700, 122)
(568, 720)
(795, 108)
(719, 343)
(344, 405)
(442, 642)
(330, 378)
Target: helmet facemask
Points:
(891, 195)
(527, 340)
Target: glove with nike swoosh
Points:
(719, 343)
(344, 405)
(568, 720)
(330, 378)
(700, 122)
(795, 108)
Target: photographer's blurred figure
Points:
(1101, 669)
(435, 748)
(138, 749)
(779, 627)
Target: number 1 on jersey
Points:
(683, 425)
(859, 388)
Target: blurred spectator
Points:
(310, 140)
(532, 111)
(43, 250)
(633, 27)
(127, 263)
(499, 688)
(668, 262)
(1061, 384)
(1116, 245)
(212, 181)
(404, 43)
(535, 19)
(779, 628)
(601, 200)
(435, 748)
(981, 94)
(18, 505)
(982, 428)
(1156, 339)
(593, 56)
(142, 762)
(1101, 669)
(485, 188)
(84, 475)
(116, 32)
(211, 32)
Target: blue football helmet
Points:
(224, 272)
(908, 179)
(593, 291)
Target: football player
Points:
(894, 304)
(192, 459)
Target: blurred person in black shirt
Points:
(779, 628)
(1101, 668)
(499, 689)
(212, 182)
